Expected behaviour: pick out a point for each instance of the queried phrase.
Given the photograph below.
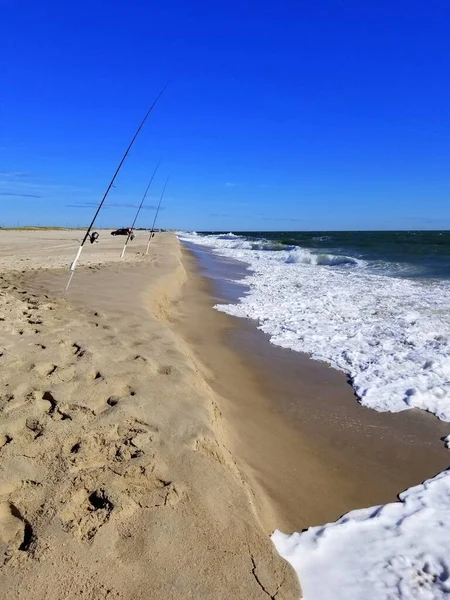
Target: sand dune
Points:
(115, 481)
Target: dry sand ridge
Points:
(115, 477)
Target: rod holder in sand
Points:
(73, 266)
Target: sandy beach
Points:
(150, 445)
(117, 480)
(225, 301)
(310, 449)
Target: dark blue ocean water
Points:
(418, 254)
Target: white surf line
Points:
(389, 334)
(397, 551)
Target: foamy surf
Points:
(396, 551)
(390, 335)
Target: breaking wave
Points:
(391, 335)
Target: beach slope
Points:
(115, 480)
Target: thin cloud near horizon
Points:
(17, 174)
(19, 195)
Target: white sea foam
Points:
(391, 335)
(400, 551)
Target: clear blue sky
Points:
(299, 114)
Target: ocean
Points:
(375, 305)
(424, 254)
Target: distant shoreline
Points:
(331, 455)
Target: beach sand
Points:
(309, 448)
(116, 479)
(150, 444)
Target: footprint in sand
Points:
(78, 350)
(165, 370)
(35, 427)
(5, 440)
(65, 374)
(210, 448)
(129, 391)
(148, 490)
(44, 369)
(113, 401)
(5, 400)
(50, 406)
(140, 358)
(111, 446)
(84, 413)
(16, 532)
(87, 512)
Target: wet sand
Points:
(294, 424)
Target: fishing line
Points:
(73, 266)
(130, 232)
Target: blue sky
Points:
(299, 114)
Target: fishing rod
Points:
(156, 216)
(73, 266)
(130, 232)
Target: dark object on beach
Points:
(124, 231)
(93, 237)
